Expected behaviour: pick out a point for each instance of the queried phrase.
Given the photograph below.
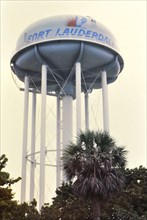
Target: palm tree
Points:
(95, 166)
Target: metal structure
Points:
(62, 56)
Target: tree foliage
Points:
(6, 196)
(96, 165)
(5, 179)
(133, 197)
(9, 208)
(25, 211)
(130, 203)
(66, 206)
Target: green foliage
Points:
(95, 165)
(26, 211)
(66, 206)
(118, 213)
(129, 204)
(10, 209)
(4, 176)
(137, 189)
(7, 205)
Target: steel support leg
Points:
(78, 96)
(43, 136)
(32, 171)
(67, 125)
(105, 101)
(86, 111)
(58, 163)
(25, 138)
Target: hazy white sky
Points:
(127, 96)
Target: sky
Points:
(127, 95)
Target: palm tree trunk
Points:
(95, 209)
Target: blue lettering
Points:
(81, 32)
(29, 38)
(88, 33)
(94, 35)
(40, 35)
(73, 31)
(47, 32)
(66, 31)
(106, 40)
(34, 37)
(69, 31)
(101, 37)
(58, 32)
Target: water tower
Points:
(62, 56)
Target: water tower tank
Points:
(60, 42)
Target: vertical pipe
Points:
(86, 111)
(43, 135)
(32, 171)
(78, 96)
(67, 118)
(105, 101)
(25, 137)
(58, 169)
(67, 126)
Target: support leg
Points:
(78, 96)
(32, 173)
(25, 137)
(67, 119)
(105, 101)
(58, 169)
(86, 111)
(67, 126)
(43, 135)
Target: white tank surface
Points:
(62, 41)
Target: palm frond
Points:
(119, 157)
(94, 164)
